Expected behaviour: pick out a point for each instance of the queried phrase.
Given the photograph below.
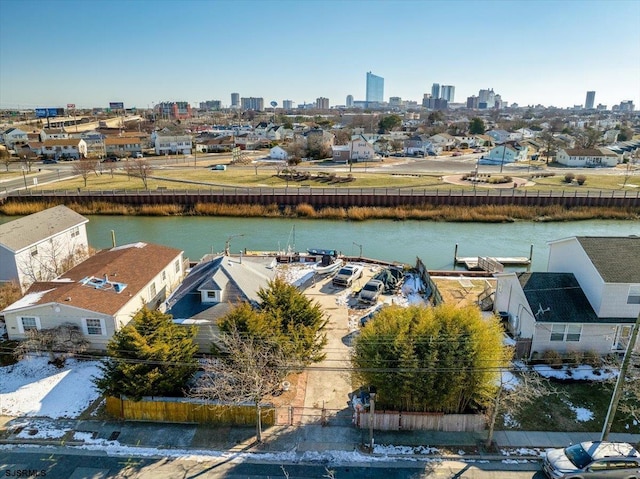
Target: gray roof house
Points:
(212, 288)
(41, 246)
(587, 301)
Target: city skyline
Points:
(141, 53)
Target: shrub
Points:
(581, 179)
(568, 177)
(575, 358)
(552, 358)
(593, 359)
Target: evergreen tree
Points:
(150, 356)
(476, 127)
(286, 317)
(441, 359)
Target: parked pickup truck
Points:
(371, 291)
(347, 275)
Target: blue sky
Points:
(140, 52)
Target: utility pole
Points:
(617, 392)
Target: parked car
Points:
(138, 154)
(49, 161)
(593, 459)
(110, 159)
(219, 167)
(347, 275)
(371, 291)
(456, 153)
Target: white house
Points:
(101, 294)
(213, 287)
(172, 145)
(505, 153)
(13, 136)
(53, 134)
(587, 301)
(443, 141)
(75, 148)
(358, 149)
(42, 245)
(278, 153)
(590, 157)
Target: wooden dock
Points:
(492, 264)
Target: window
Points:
(177, 266)
(75, 232)
(557, 332)
(28, 323)
(634, 294)
(566, 332)
(152, 290)
(34, 251)
(94, 326)
(164, 276)
(211, 294)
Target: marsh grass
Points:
(427, 212)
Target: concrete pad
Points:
(89, 473)
(157, 435)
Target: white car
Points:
(347, 275)
(593, 459)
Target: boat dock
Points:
(492, 264)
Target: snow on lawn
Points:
(32, 387)
(582, 372)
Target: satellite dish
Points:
(274, 104)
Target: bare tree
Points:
(249, 370)
(51, 259)
(550, 144)
(84, 168)
(59, 343)
(515, 393)
(140, 168)
(5, 157)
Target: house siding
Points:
(594, 337)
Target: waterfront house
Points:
(587, 301)
(99, 295)
(589, 157)
(213, 287)
(42, 245)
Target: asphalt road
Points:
(81, 464)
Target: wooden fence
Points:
(184, 410)
(416, 421)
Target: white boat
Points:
(321, 268)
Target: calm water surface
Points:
(401, 241)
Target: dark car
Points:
(49, 161)
(593, 459)
(110, 159)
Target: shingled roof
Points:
(617, 259)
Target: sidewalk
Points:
(282, 439)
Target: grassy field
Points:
(557, 412)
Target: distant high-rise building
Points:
(349, 101)
(252, 103)
(235, 100)
(375, 89)
(486, 99)
(210, 105)
(322, 103)
(448, 92)
(472, 102)
(178, 110)
(395, 102)
(287, 104)
(435, 90)
(590, 101)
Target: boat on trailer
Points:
(329, 262)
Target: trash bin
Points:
(504, 316)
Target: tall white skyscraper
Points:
(349, 101)
(448, 93)
(375, 89)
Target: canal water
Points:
(400, 241)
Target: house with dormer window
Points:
(588, 300)
(213, 287)
(101, 294)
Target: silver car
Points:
(593, 459)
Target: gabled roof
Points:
(239, 278)
(19, 234)
(130, 266)
(63, 142)
(557, 298)
(617, 259)
(588, 152)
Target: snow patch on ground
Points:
(32, 387)
(581, 373)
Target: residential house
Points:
(71, 148)
(505, 153)
(42, 245)
(172, 145)
(465, 141)
(484, 140)
(443, 141)
(502, 136)
(325, 137)
(278, 153)
(217, 144)
(587, 301)
(356, 150)
(418, 145)
(53, 134)
(94, 141)
(589, 157)
(99, 295)
(213, 287)
(122, 147)
(14, 136)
